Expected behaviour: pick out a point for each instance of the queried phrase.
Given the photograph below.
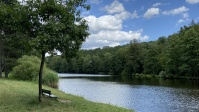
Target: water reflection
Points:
(176, 83)
(143, 95)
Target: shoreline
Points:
(22, 96)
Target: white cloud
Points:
(123, 15)
(135, 15)
(181, 21)
(157, 4)
(144, 38)
(176, 11)
(115, 7)
(106, 30)
(113, 38)
(185, 15)
(185, 18)
(192, 1)
(96, 1)
(118, 10)
(118, 36)
(151, 12)
(106, 22)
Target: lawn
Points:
(21, 96)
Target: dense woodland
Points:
(176, 55)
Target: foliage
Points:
(11, 43)
(176, 54)
(50, 78)
(28, 67)
(54, 25)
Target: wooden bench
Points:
(48, 93)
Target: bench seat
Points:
(48, 93)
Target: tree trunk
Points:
(1, 58)
(40, 75)
(1, 69)
(0, 72)
(6, 73)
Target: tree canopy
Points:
(56, 25)
(11, 43)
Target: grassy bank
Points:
(20, 96)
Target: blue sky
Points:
(117, 22)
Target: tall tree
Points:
(189, 50)
(172, 54)
(133, 62)
(55, 25)
(11, 46)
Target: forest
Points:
(174, 56)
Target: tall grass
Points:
(50, 78)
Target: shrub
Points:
(28, 69)
(50, 78)
(148, 76)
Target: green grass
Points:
(21, 96)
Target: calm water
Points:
(142, 95)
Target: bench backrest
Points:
(46, 91)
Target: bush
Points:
(50, 78)
(28, 69)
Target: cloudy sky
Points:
(117, 22)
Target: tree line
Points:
(176, 55)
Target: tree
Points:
(189, 50)
(11, 46)
(118, 62)
(182, 53)
(1, 59)
(87, 68)
(55, 25)
(155, 56)
(8, 2)
(133, 62)
(172, 54)
(162, 44)
(106, 62)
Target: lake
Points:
(141, 95)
